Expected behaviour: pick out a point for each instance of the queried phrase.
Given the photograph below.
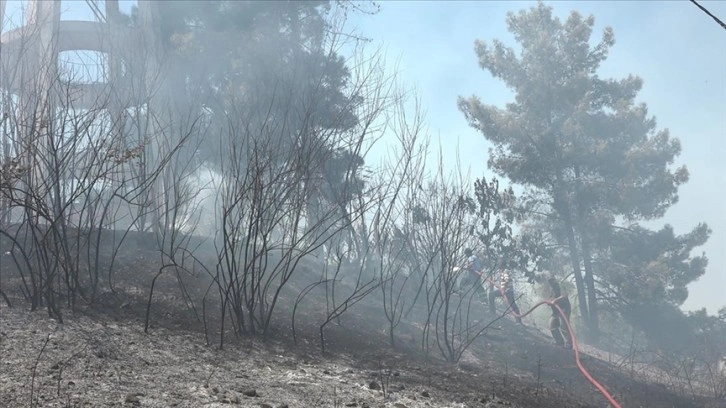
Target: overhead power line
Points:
(721, 23)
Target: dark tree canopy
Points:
(644, 266)
(275, 57)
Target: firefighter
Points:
(558, 327)
(473, 272)
(503, 287)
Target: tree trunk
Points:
(593, 321)
(562, 207)
(579, 282)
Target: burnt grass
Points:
(101, 355)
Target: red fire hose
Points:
(573, 339)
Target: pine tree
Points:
(577, 140)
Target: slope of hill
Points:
(105, 359)
(101, 356)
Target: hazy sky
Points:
(677, 49)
